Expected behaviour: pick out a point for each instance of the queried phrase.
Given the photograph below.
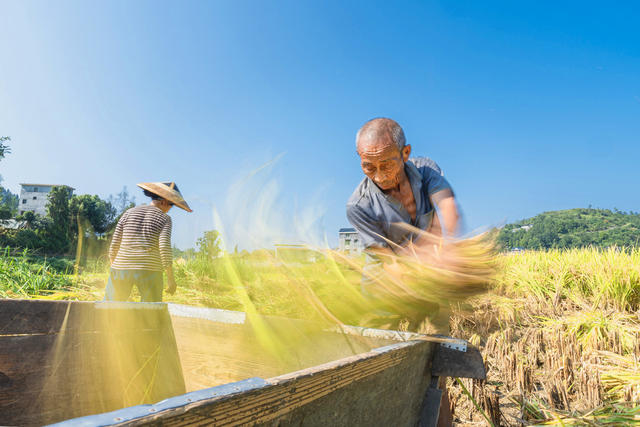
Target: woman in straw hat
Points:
(141, 247)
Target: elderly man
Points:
(396, 190)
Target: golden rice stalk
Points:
(428, 273)
(620, 377)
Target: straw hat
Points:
(166, 190)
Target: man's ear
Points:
(406, 152)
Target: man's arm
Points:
(369, 228)
(447, 216)
(441, 197)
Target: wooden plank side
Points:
(380, 387)
(22, 364)
(392, 396)
(448, 362)
(215, 353)
(32, 316)
(103, 359)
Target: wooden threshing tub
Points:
(166, 364)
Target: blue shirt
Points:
(375, 214)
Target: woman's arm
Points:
(166, 256)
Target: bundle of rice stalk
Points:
(608, 415)
(620, 377)
(413, 280)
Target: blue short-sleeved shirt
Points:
(375, 214)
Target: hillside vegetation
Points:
(573, 228)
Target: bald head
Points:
(381, 146)
(380, 131)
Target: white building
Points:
(33, 197)
(349, 241)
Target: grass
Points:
(559, 329)
(20, 277)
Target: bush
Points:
(7, 237)
(27, 239)
(5, 212)
(60, 265)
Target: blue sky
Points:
(527, 107)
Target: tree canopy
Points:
(58, 231)
(209, 244)
(8, 200)
(4, 148)
(573, 228)
(100, 214)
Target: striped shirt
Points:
(142, 240)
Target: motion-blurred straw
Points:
(428, 273)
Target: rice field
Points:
(559, 330)
(560, 334)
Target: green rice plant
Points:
(20, 278)
(594, 329)
(603, 278)
(607, 415)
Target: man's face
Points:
(382, 162)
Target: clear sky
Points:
(527, 106)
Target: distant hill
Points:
(573, 228)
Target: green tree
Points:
(58, 232)
(573, 228)
(209, 244)
(30, 217)
(122, 201)
(5, 212)
(34, 221)
(8, 200)
(4, 148)
(100, 214)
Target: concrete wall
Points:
(350, 242)
(33, 198)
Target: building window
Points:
(35, 189)
(24, 201)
